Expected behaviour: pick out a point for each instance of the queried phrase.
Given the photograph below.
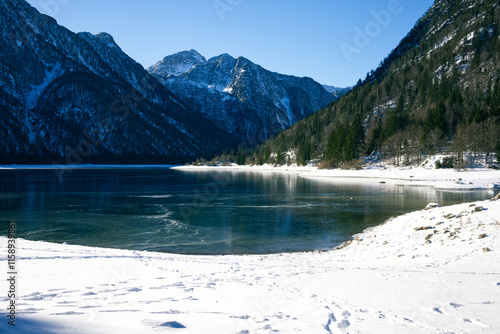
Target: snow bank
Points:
(444, 179)
(264, 168)
(431, 271)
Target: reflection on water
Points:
(202, 212)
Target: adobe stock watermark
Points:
(51, 7)
(12, 274)
(372, 29)
(21, 35)
(223, 6)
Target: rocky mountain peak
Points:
(178, 63)
(239, 96)
(108, 40)
(221, 58)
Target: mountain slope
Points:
(241, 97)
(439, 89)
(78, 98)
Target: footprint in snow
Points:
(68, 313)
(168, 312)
(455, 305)
(159, 287)
(331, 319)
(242, 317)
(344, 324)
(169, 324)
(31, 310)
(178, 285)
(40, 297)
(90, 306)
(64, 302)
(90, 293)
(190, 298)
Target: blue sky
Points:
(336, 42)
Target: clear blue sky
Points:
(316, 38)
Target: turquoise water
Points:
(164, 210)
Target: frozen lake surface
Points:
(202, 212)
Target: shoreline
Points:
(482, 178)
(435, 270)
(440, 179)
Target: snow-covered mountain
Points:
(178, 63)
(337, 92)
(239, 96)
(332, 89)
(78, 98)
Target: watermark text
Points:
(364, 36)
(11, 273)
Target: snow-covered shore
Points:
(431, 271)
(427, 175)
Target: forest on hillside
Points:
(438, 91)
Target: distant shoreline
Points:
(441, 179)
(482, 178)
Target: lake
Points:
(187, 212)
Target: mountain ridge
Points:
(77, 98)
(241, 97)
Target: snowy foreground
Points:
(430, 271)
